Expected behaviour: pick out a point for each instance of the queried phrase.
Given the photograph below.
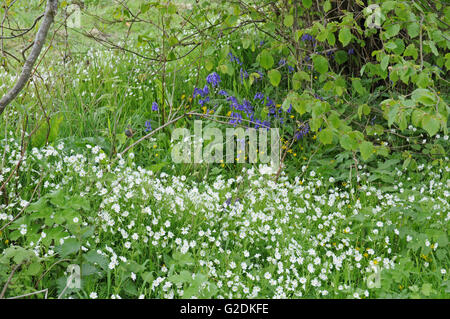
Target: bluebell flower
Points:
(244, 74)
(300, 133)
(200, 92)
(307, 37)
(205, 100)
(236, 118)
(213, 79)
(205, 90)
(282, 62)
(290, 68)
(259, 96)
(148, 126)
(234, 58)
(266, 124)
(154, 106)
(317, 96)
(289, 110)
(270, 102)
(223, 92)
(351, 51)
(261, 43)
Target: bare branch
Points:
(49, 15)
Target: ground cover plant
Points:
(358, 91)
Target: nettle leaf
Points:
(274, 77)
(345, 36)
(320, 64)
(266, 59)
(430, 124)
(366, 148)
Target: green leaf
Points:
(424, 96)
(327, 6)
(266, 59)
(366, 149)
(392, 30)
(34, 268)
(345, 36)
(297, 78)
(320, 64)
(326, 136)
(70, 246)
(348, 143)
(274, 77)
(363, 109)
(357, 85)
(430, 124)
(384, 62)
(289, 20)
(307, 3)
(413, 29)
(341, 57)
(411, 50)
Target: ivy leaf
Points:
(430, 124)
(320, 64)
(366, 149)
(274, 77)
(266, 59)
(345, 36)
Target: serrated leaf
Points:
(274, 77)
(326, 136)
(289, 20)
(320, 64)
(266, 59)
(430, 124)
(345, 36)
(366, 148)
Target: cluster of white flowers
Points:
(290, 238)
